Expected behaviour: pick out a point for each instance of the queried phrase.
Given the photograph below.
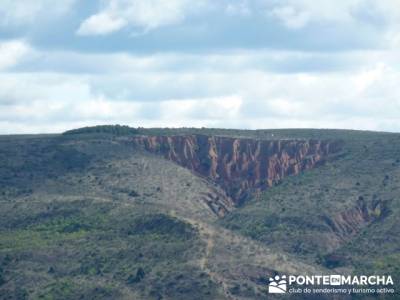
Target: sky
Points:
(182, 63)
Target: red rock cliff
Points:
(239, 165)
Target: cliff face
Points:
(239, 166)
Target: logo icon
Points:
(335, 280)
(277, 285)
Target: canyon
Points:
(240, 166)
(128, 213)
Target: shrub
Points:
(138, 277)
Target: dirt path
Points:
(228, 258)
(208, 234)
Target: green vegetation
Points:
(84, 215)
(342, 214)
(118, 130)
(75, 223)
(89, 253)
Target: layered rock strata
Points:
(240, 166)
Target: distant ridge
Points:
(111, 129)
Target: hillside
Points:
(193, 213)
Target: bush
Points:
(162, 225)
(138, 277)
(133, 193)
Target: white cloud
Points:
(15, 13)
(291, 17)
(102, 23)
(239, 7)
(367, 98)
(388, 8)
(216, 108)
(368, 77)
(146, 14)
(219, 90)
(299, 13)
(12, 52)
(54, 90)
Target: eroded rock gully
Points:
(349, 222)
(240, 166)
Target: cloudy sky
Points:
(172, 63)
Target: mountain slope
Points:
(100, 215)
(343, 214)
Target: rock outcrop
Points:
(348, 223)
(240, 166)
